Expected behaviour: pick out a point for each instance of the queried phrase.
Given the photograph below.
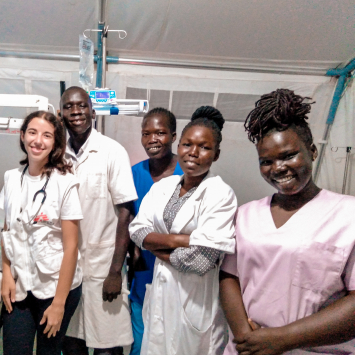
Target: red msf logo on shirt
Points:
(41, 218)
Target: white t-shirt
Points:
(70, 209)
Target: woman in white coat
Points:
(41, 284)
(187, 222)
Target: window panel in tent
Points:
(159, 98)
(184, 103)
(137, 94)
(49, 89)
(8, 86)
(236, 107)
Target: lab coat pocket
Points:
(96, 185)
(191, 340)
(319, 267)
(98, 259)
(50, 265)
(55, 241)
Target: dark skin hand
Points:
(113, 283)
(162, 245)
(163, 254)
(158, 241)
(332, 325)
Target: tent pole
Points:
(101, 60)
(342, 74)
(99, 56)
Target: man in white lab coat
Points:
(102, 320)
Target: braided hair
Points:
(165, 113)
(210, 117)
(279, 110)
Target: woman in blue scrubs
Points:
(158, 136)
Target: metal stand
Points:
(101, 56)
(348, 150)
(346, 168)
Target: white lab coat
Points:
(104, 171)
(181, 311)
(36, 250)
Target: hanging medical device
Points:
(12, 124)
(105, 103)
(104, 100)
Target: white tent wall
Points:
(238, 164)
(341, 136)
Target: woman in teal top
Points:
(158, 135)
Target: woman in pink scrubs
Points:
(290, 286)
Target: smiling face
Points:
(157, 139)
(76, 111)
(197, 151)
(38, 140)
(285, 161)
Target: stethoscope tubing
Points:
(41, 191)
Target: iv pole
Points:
(342, 74)
(348, 150)
(101, 59)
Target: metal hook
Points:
(335, 149)
(122, 34)
(86, 35)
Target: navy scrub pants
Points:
(20, 326)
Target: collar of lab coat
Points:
(92, 144)
(187, 211)
(203, 185)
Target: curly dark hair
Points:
(171, 119)
(209, 117)
(279, 110)
(56, 157)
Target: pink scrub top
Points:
(291, 272)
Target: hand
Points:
(53, 315)
(8, 290)
(112, 287)
(138, 263)
(262, 341)
(163, 254)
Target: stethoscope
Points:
(41, 191)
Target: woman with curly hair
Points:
(41, 282)
(290, 286)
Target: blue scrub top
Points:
(143, 182)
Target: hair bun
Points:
(210, 113)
